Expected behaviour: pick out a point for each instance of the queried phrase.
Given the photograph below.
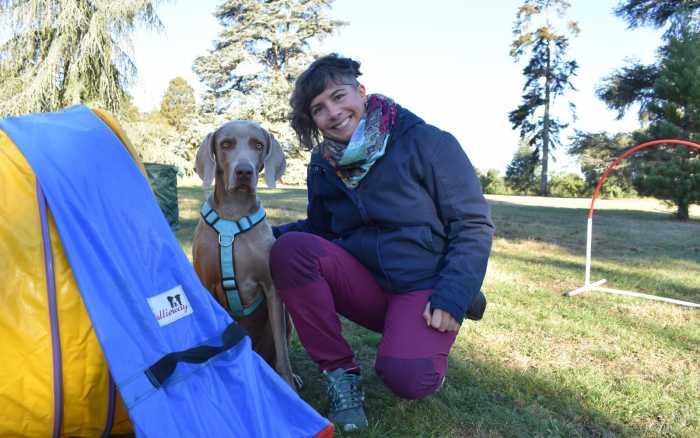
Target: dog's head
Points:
(236, 153)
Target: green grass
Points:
(540, 364)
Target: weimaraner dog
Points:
(233, 156)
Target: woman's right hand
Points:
(440, 320)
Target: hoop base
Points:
(595, 287)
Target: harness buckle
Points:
(226, 240)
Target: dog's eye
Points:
(226, 144)
(259, 146)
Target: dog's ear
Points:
(205, 163)
(274, 162)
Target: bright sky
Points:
(445, 60)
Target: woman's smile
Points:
(338, 109)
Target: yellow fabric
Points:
(26, 364)
(25, 335)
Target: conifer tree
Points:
(548, 74)
(62, 52)
(673, 173)
(178, 103)
(634, 83)
(521, 173)
(265, 44)
(679, 14)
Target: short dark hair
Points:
(326, 70)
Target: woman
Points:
(397, 238)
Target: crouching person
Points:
(397, 238)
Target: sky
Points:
(446, 60)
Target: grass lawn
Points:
(540, 364)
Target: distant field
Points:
(539, 364)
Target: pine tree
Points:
(634, 83)
(521, 173)
(62, 52)
(547, 75)
(265, 44)
(631, 84)
(673, 173)
(679, 14)
(178, 104)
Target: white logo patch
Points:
(170, 306)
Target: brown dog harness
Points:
(227, 231)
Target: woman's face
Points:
(338, 109)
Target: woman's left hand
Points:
(440, 320)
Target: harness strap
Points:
(227, 231)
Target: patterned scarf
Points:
(352, 161)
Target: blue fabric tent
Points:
(182, 366)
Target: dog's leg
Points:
(278, 324)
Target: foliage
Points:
(673, 174)
(521, 174)
(567, 185)
(681, 14)
(63, 52)
(262, 49)
(596, 151)
(632, 84)
(178, 105)
(672, 107)
(492, 183)
(547, 73)
(157, 141)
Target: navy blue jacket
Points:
(417, 220)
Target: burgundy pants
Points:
(318, 280)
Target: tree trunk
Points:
(682, 212)
(544, 188)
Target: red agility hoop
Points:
(596, 286)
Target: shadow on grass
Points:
(481, 398)
(616, 279)
(617, 235)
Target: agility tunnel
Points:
(91, 271)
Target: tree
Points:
(492, 182)
(521, 174)
(547, 75)
(178, 104)
(673, 110)
(632, 84)
(673, 173)
(259, 54)
(595, 152)
(567, 185)
(681, 14)
(62, 52)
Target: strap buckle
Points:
(226, 240)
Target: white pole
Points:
(585, 288)
(646, 296)
(589, 238)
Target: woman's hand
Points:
(440, 320)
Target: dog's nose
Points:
(244, 171)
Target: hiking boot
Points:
(346, 397)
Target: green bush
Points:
(567, 185)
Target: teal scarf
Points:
(352, 161)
